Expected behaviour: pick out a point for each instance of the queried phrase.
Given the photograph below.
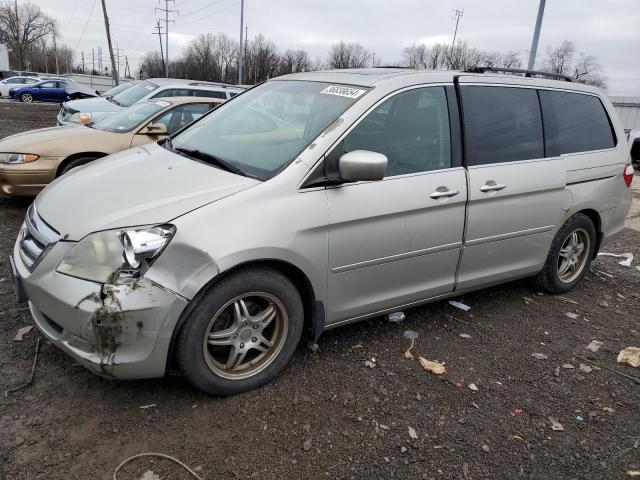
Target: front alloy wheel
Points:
(245, 335)
(26, 98)
(241, 332)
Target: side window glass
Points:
(172, 92)
(208, 93)
(48, 85)
(183, 115)
(501, 124)
(410, 128)
(574, 122)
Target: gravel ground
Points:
(331, 416)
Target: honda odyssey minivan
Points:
(312, 201)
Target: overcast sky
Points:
(608, 29)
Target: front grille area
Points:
(36, 236)
(65, 113)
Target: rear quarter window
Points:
(575, 122)
(501, 124)
(209, 94)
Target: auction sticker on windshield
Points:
(343, 91)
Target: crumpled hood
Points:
(141, 186)
(90, 105)
(34, 141)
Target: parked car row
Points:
(311, 201)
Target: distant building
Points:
(628, 109)
(4, 57)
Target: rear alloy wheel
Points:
(241, 333)
(570, 255)
(26, 98)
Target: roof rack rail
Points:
(526, 73)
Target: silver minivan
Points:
(312, 201)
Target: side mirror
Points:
(154, 129)
(635, 150)
(362, 165)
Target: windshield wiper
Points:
(208, 158)
(112, 100)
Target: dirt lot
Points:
(330, 416)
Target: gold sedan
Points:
(30, 161)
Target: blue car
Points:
(51, 90)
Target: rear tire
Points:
(76, 162)
(242, 332)
(570, 255)
(26, 98)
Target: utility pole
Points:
(241, 60)
(159, 33)
(166, 21)
(83, 70)
(55, 53)
(536, 36)
(114, 74)
(458, 15)
(127, 72)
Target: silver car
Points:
(312, 201)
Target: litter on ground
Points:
(556, 426)
(434, 367)
(22, 332)
(396, 317)
(628, 257)
(594, 346)
(539, 356)
(459, 305)
(630, 356)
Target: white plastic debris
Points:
(628, 257)
(22, 332)
(459, 305)
(575, 316)
(413, 434)
(473, 386)
(370, 363)
(539, 356)
(585, 368)
(594, 346)
(144, 407)
(465, 335)
(396, 317)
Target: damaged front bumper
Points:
(118, 331)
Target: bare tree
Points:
(294, 61)
(583, 67)
(21, 26)
(152, 65)
(349, 55)
(416, 56)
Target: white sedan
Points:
(16, 82)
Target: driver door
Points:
(174, 120)
(397, 241)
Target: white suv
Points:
(100, 107)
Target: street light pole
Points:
(536, 36)
(241, 60)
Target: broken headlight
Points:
(114, 256)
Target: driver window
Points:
(48, 85)
(410, 128)
(181, 116)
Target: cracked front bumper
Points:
(115, 331)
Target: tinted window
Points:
(172, 92)
(48, 85)
(410, 128)
(208, 93)
(501, 124)
(183, 115)
(574, 123)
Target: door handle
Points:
(492, 186)
(443, 192)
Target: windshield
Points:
(134, 94)
(129, 118)
(267, 127)
(116, 90)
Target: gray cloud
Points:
(604, 28)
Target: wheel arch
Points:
(314, 311)
(594, 216)
(93, 155)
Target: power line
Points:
(73, 10)
(209, 15)
(86, 23)
(166, 21)
(212, 4)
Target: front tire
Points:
(570, 255)
(74, 163)
(242, 332)
(26, 98)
